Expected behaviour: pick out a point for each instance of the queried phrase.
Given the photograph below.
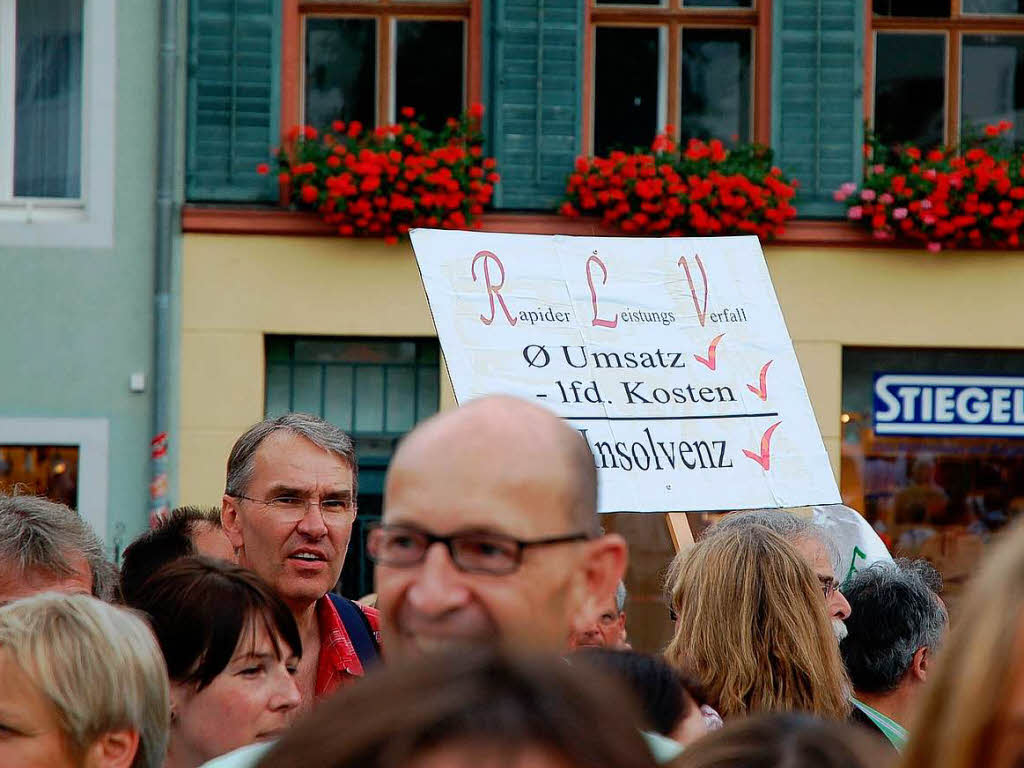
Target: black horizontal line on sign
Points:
(669, 418)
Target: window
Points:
(687, 63)
(57, 69)
(366, 61)
(374, 389)
(932, 453)
(945, 69)
(64, 459)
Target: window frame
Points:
(674, 18)
(386, 13)
(86, 221)
(92, 436)
(953, 30)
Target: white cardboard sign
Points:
(669, 355)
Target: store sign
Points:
(670, 356)
(960, 406)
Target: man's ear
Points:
(114, 749)
(920, 664)
(605, 565)
(229, 521)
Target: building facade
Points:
(279, 313)
(77, 171)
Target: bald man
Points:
(490, 532)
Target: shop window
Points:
(933, 450)
(687, 63)
(369, 63)
(943, 71)
(374, 389)
(41, 470)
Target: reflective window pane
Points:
(910, 88)
(341, 70)
(942, 497)
(715, 84)
(993, 82)
(48, 99)
(920, 8)
(429, 69)
(993, 6)
(625, 88)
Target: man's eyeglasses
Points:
(401, 546)
(294, 508)
(828, 586)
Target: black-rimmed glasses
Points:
(401, 546)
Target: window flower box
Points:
(701, 188)
(385, 181)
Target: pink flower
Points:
(878, 168)
(867, 195)
(899, 213)
(839, 195)
(855, 213)
(885, 198)
(934, 247)
(926, 204)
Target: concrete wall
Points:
(76, 323)
(236, 288)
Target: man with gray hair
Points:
(814, 545)
(288, 508)
(47, 547)
(603, 624)
(897, 624)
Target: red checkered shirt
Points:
(338, 663)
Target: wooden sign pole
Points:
(679, 530)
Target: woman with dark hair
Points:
(786, 741)
(471, 709)
(667, 706)
(231, 647)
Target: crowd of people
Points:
(497, 634)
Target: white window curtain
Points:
(48, 99)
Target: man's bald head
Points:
(505, 481)
(538, 435)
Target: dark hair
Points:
(168, 542)
(491, 702)
(893, 613)
(199, 607)
(658, 687)
(786, 741)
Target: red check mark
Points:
(763, 391)
(712, 350)
(764, 458)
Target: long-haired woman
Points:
(973, 709)
(752, 628)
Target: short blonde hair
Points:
(97, 664)
(753, 629)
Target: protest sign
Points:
(670, 356)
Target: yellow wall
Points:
(236, 288)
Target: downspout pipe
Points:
(166, 216)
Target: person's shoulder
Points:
(372, 616)
(243, 757)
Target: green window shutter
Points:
(536, 73)
(818, 82)
(233, 98)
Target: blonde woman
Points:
(82, 685)
(973, 706)
(752, 629)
